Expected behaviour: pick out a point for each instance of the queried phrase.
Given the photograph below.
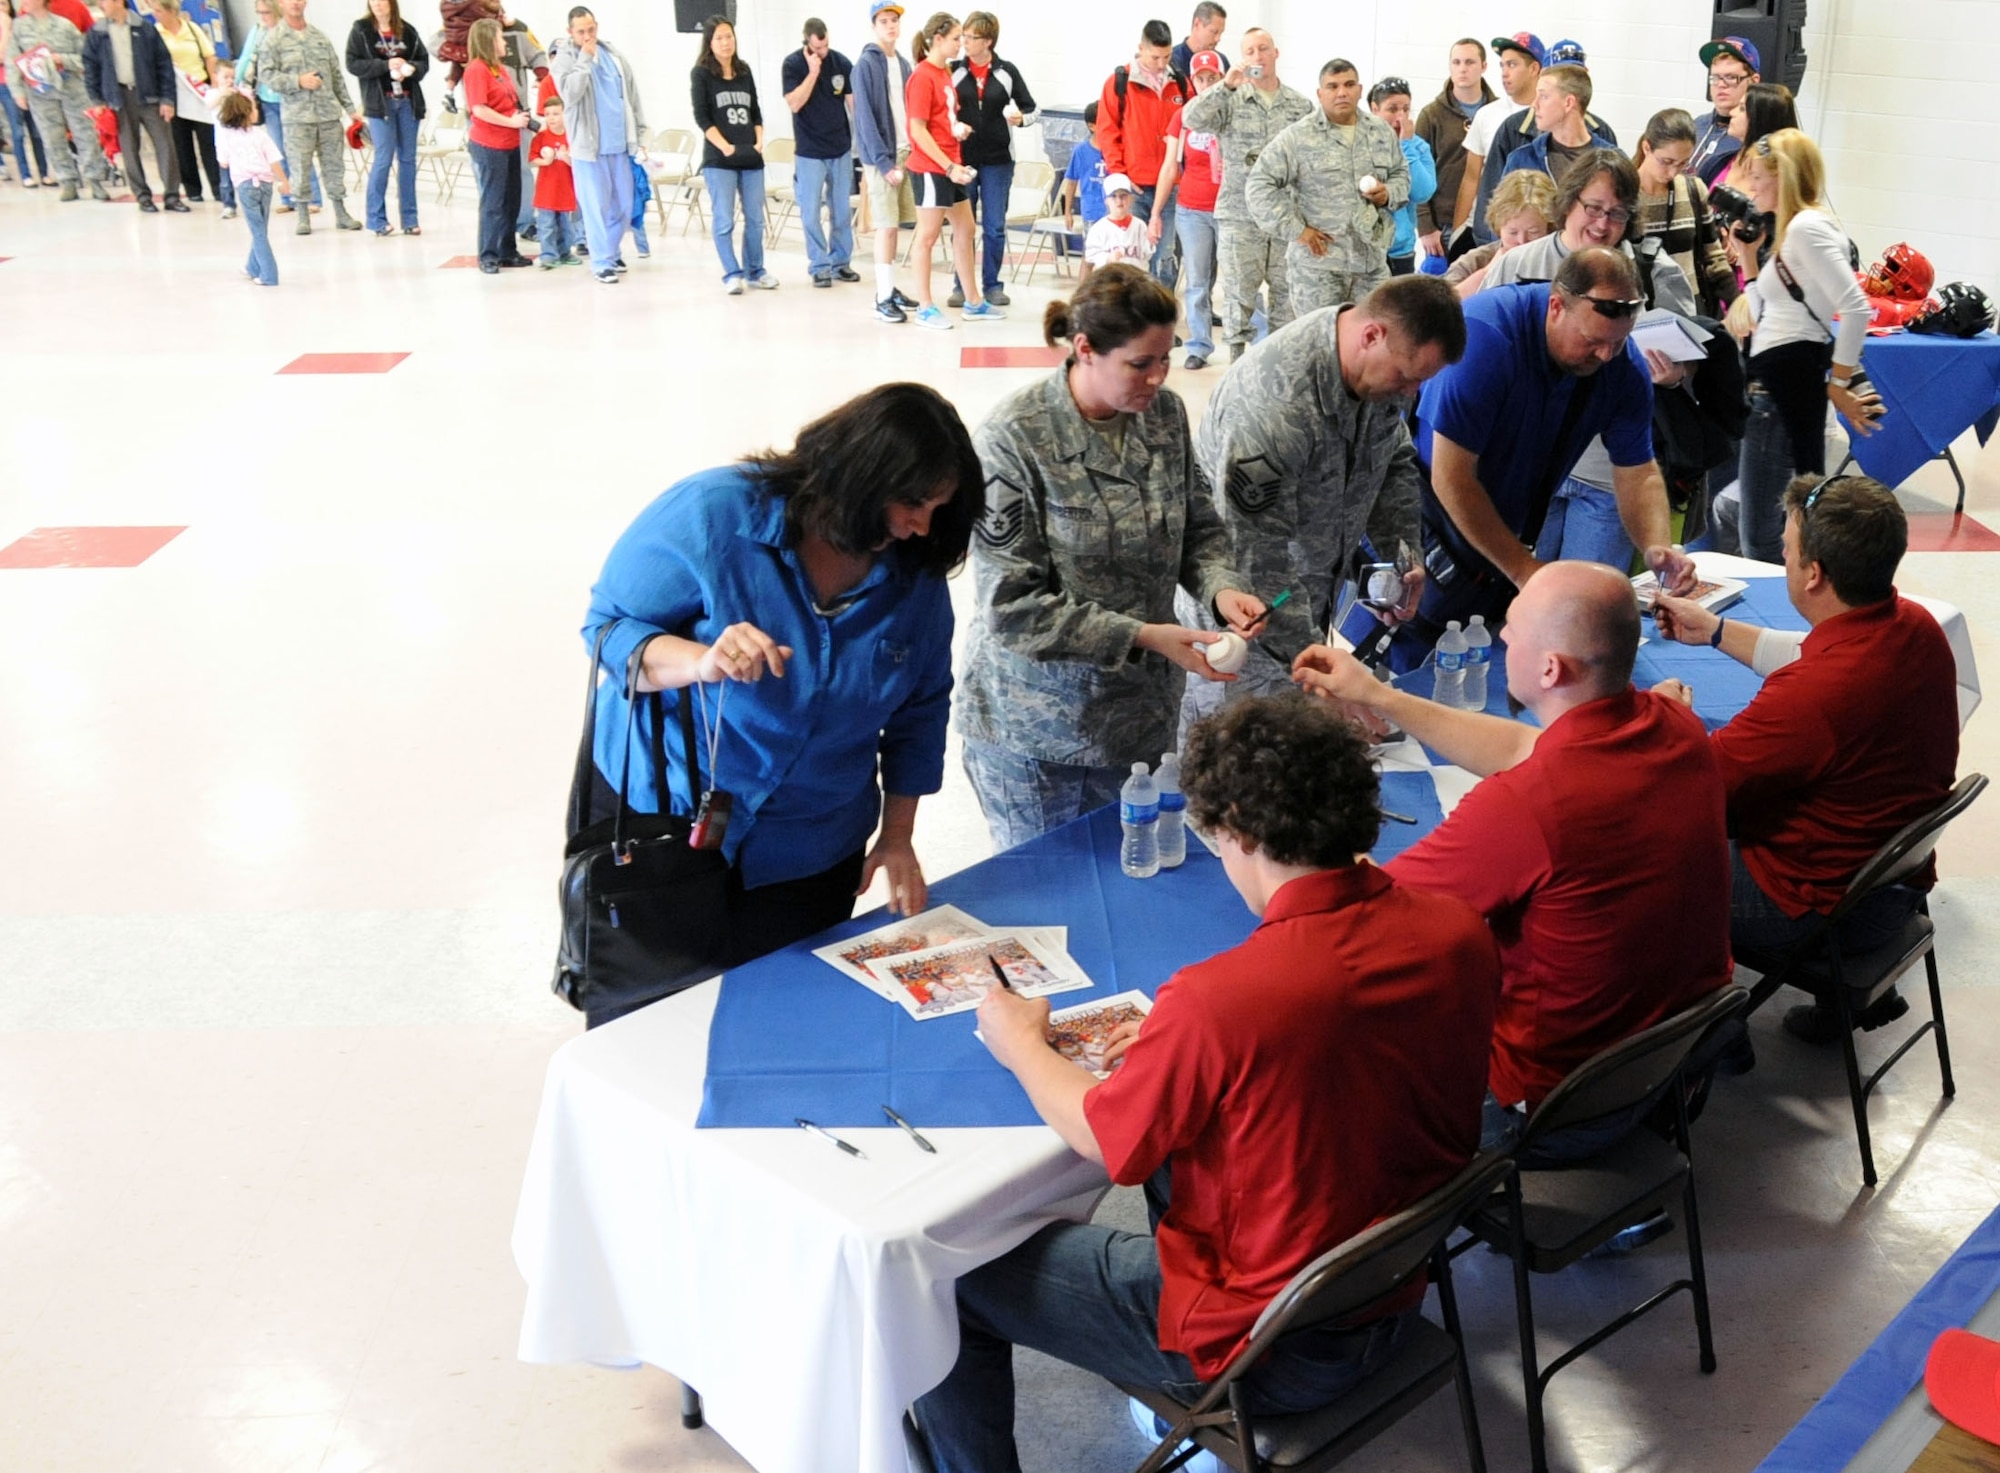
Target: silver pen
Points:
(852, 1150)
(914, 1135)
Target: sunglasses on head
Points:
(1616, 308)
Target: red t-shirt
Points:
(1201, 167)
(1324, 1074)
(1602, 864)
(555, 182)
(931, 99)
(1840, 749)
(484, 87)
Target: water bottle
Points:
(1139, 813)
(1173, 812)
(1478, 657)
(1450, 688)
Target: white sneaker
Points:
(765, 282)
(734, 286)
(1150, 1428)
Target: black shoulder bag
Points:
(644, 913)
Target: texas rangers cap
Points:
(1734, 46)
(1205, 61)
(1525, 42)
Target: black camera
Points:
(1746, 222)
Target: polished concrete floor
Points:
(281, 817)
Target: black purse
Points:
(644, 913)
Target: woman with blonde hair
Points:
(494, 141)
(1523, 208)
(193, 122)
(1800, 278)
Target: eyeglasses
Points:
(1616, 308)
(1728, 79)
(1616, 214)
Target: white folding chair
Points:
(672, 168)
(781, 195)
(442, 151)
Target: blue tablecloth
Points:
(1935, 389)
(793, 1037)
(1722, 687)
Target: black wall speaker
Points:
(1775, 27)
(692, 15)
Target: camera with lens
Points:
(1746, 222)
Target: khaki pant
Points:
(1248, 258)
(885, 206)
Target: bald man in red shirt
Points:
(1595, 846)
(1280, 1098)
(1844, 745)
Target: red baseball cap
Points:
(1963, 1379)
(1205, 61)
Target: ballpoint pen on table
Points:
(852, 1150)
(1397, 817)
(914, 1134)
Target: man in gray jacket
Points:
(1305, 444)
(587, 69)
(1331, 185)
(299, 62)
(1245, 113)
(61, 104)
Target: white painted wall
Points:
(1900, 94)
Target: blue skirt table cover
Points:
(1934, 389)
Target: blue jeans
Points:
(1024, 797)
(1195, 230)
(1757, 924)
(395, 140)
(254, 200)
(1500, 1126)
(1165, 266)
(989, 191)
(274, 124)
(498, 171)
(604, 202)
(1767, 466)
(1090, 1296)
(1582, 526)
(827, 183)
(528, 211)
(556, 231)
(725, 188)
(22, 132)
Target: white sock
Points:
(885, 280)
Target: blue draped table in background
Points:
(1935, 389)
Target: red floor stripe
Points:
(87, 547)
(1943, 532)
(344, 363)
(457, 262)
(1010, 357)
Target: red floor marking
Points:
(1010, 357)
(344, 363)
(457, 261)
(1943, 532)
(87, 547)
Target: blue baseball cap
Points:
(1735, 46)
(881, 5)
(1565, 53)
(1525, 42)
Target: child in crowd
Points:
(1523, 209)
(458, 16)
(642, 196)
(555, 187)
(256, 164)
(222, 83)
(1083, 180)
(1118, 236)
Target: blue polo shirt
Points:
(820, 129)
(1504, 401)
(865, 696)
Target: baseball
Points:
(1369, 184)
(1226, 655)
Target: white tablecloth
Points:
(805, 1294)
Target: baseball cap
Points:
(1117, 184)
(1525, 42)
(881, 5)
(1205, 61)
(1962, 1376)
(1565, 53)
(1734, 46)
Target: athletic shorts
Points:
(935, 192)
(885, 206)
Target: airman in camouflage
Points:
(63, 106)
(1306, 446)
(1088, 529)
(314, 116)
(1306, 188)
(1245, 113)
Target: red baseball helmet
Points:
(1903, 275)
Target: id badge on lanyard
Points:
(711, 818)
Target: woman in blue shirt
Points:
(799, 599)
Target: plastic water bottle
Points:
(1139, 813)
(1173, 812)
(1478, 659)
(1450, 688)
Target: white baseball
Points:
(1369, 184)
(1227, 654)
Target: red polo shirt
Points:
(1132, 131)
(1602, 864)
(1840, 749)
(1324, 1074)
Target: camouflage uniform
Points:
(312, 116)
(1246, 256)
(1303, 470)
(62, 108)
(1081, 543)
(1310, 175)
